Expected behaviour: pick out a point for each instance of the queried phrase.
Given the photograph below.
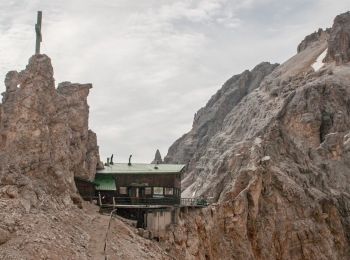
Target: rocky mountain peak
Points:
(339, 40)
(275, 156)
(209, 120)
(157, 157)
(312, 38)
(45, 140)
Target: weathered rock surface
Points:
(277, 164)
(157, 157)
(339, 42)
(208, 121)
(313, 38)
(44, 131)
(44, 143)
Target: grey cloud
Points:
(154, 63)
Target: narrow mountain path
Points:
(123, 242)
(97, 235)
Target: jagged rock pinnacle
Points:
(44, 131)
(339, 40)
(157, 157)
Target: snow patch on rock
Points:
(319, 61)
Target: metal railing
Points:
(147, 201)
(195, 202)
(184, 202)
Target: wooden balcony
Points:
(146, 201)
(134, 202)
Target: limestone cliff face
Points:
(44, 131)
(338, 44)
(278, 164)
(44, 142)
(313, 38)
(209, 120)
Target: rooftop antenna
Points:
(130, 160)
(38, 32)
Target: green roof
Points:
(135, 168)
(105, 182)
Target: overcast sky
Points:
(154, 63)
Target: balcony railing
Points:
(196, 201)
(147, 201)
(183, 202)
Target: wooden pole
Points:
(99, 199)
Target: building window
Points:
(168, 191)
(148, 191)
(158, 190)
(123, 190)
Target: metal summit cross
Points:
(38, 33)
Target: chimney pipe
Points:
(107, 163)
(130, 160)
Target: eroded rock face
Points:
(44, 143)
(44, 131)
(157, 157)
(209, 120)
(339, 42)
(278, 168)
(312, 38)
